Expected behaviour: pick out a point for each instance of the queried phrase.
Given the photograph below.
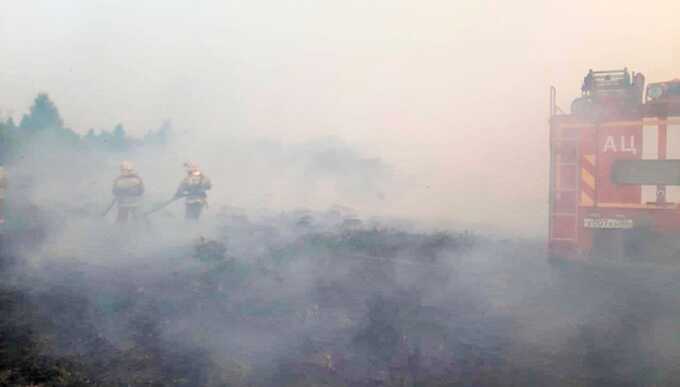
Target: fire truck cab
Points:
(615, 170)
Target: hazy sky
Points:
(454, 94)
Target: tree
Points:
(9, 124)
(119, 132)
(43, 115)
(161, 136)
(118, 140)
(90, 136)
(8, 139)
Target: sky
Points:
(452, 94)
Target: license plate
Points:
(608, 223)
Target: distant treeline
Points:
(43, 122)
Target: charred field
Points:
(323, 299)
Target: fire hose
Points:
(113, 203)
(163, 205)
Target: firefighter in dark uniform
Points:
(128, 189)
(193, 188)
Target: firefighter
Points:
(193, 187)
(128, 189)
(3, 190)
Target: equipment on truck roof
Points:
(663, 92)
(611, 91)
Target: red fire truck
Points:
(615, 170)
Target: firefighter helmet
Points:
(126, 167)
(192, 168)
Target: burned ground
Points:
(326, 299)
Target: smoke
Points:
(352, 146)
(261, 293)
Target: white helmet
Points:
(192, 168)
(126, 167)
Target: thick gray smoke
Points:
(303, 271)
(261, 293)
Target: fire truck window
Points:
(674, 89)
(646, 172)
